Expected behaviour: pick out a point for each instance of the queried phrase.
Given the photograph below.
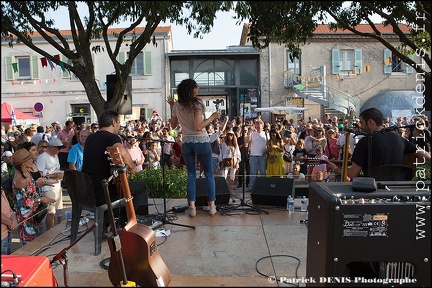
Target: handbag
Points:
(227, 162)
(287, 156)
(40, 212)
(271, 158)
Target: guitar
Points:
(142, 261)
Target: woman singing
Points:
(189, 111)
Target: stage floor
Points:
(237, 248)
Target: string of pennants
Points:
(366, 69)
(44, 61)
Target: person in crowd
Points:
(244, 169)
(229, 150)
(387, 148)
(167, 146)
(65, 135)
(39, 135)
(319, 170)
(29, 132)
(153, 155)
(97, 165)
(316, 138)
(296, 174)
(177, 157)
(215, 142)
(49, 165)
(9, 223)
(76, 153)
(42, 146)
(94, 127)
(26, 196)
(275, 151)
(76, 137)
(6, 163)
(300, 155)
(289, 141)
(258, 149)
(135, 153)
(189, 111)
(331, 150)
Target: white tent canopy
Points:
(280, 109)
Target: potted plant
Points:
(175, 178)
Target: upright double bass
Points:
(139, 252)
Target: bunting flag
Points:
(57, 57)
(15, 67)
(51, 64)
(62, 66)
(44, 62)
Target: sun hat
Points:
(55, 142)
(7, 154)
(20, 156)
(155, 111)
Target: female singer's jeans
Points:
(204, 153)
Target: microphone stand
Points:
(164, 186)
(62, 257)
(243, 206)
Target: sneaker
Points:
(192, 211)
(212, 210)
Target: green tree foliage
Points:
(21, 19)
(283, 22)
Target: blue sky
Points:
(225, 32)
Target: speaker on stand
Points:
(125, 106)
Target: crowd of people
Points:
(237, 149)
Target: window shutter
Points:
(65, 73)
(35, 67)
(121, 57)
(335, 61)
(408, 68)
(147, 63)
(387, 67)
(9, 69)
(358, 61)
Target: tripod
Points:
(165, 218)
(243, 206)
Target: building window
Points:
(23, 67)
(394, 65)
(138, 65)
(347, 61)
(293, 65)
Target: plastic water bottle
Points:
(290, 204)
(304, 204)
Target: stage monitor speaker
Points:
(272, 191)
(222, 191)
(125, 106)
(367, 239)
(30, 271)
(139, 186)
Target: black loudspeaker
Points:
(139, 186)
(222, 191)
(125, 106)
(368, 239)
(272, 191)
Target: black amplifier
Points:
(369, 239)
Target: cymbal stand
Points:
(165, 218)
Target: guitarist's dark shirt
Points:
(96, 163)
(387, 148)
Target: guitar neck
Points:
(130, 210)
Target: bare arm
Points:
(200, 124)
